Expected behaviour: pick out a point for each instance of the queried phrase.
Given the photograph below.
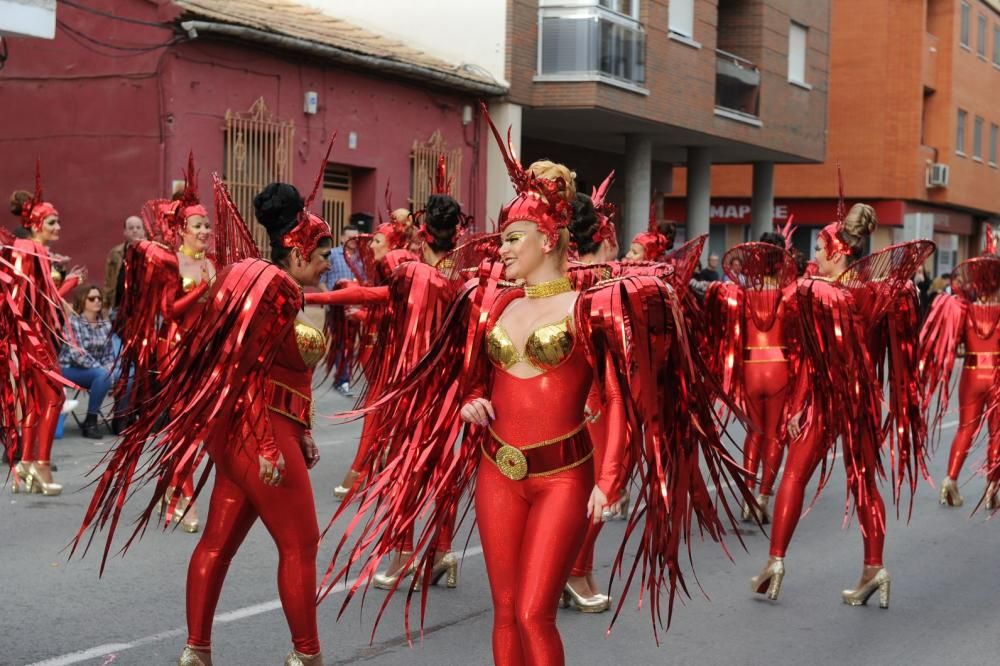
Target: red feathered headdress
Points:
(35, 210)
(653, 241)
(538, 200)
(393, 230)
(310, 230)
(167, 219)
(990, 245)
(605, 212)
(835, 245)
(787, 232)
(441, 184)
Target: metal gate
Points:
(336, 198)
(258, 152)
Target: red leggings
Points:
(530, 530)
(973, 393)
(41, 418)
(803, 458)
(288, 513)
(766, 386)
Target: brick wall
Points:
(681, 78)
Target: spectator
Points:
(923, 284)
(711, 273)
(939, 285)
(134, 231)
(88, 360)
(339, 270)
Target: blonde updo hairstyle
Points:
(551, 171)
(858, 225)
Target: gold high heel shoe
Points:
(595, 604)
(340, 492)
(949, 493)
(193, 657)
(769, 580)
(298, 659)
(764, 509)
(189, 522)
(446, 565)
(992, 500)
(21, 470)
(859, 597)
(36, 485)
(623, 506)
(386, 581)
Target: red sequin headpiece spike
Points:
(835, 245)
(311, 229)
(538, 200)
(172, 216)
(605, 212)
(788, 231)
(653, 242)
(34, 211)
(990, 246)
(442, 183)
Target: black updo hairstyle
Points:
(773, 238)
(277, 207)
(584, 225)
(441, 218)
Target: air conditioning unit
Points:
(937, 175)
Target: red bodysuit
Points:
(36, 313)
(287, 510)
(977, 385)
(532, 528)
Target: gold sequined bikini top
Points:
(311, 343)
(546, 347)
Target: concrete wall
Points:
(113, 133)
(459, 31)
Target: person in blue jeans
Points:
(88, 359)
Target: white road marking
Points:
(235, 615)
(223, 618)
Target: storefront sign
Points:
(807, 212)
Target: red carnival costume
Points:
(243, 379)
(532, 465)
(750, 321)
(970, 315)
(857, 333)
(36, 307)
(157, 299)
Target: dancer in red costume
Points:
(516, 364)
(653, 243)
(971, 314)
(595, 239)
(245, 384)
(847, 328)
(750, 320)
(413, 302)
(37, 308)
(166, 279)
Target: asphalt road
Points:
(58, 612)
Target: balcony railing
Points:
(737, 84)
(590, 42)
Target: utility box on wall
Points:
(311, 103)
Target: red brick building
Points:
(914, 121)
(114, 103)
(643, 86)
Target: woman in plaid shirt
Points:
(89, 358)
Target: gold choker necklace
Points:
(192, 254)
(550, 288)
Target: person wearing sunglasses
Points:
(88, 358)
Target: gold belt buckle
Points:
(512, 463)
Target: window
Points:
(627, 7)
(960, 132)
(797, 35)
(682, 17)
(964, 35)
(994, 130)
(977, 139)
(981, 36)
(591, 41)
(996, 45)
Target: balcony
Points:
(737, 87)
(930, 61)
(591, 43)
